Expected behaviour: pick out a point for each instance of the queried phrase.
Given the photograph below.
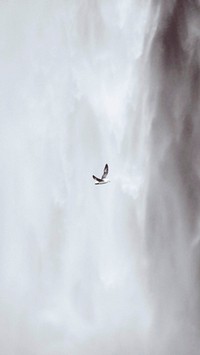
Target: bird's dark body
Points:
(103, 179)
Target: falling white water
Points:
(109, 269)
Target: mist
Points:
(111, 269)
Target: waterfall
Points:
(110, 269)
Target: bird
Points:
(103, 179)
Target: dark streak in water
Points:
(173, 205)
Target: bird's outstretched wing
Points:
(105, 172)
(97, 179)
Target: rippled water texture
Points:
(110, 269)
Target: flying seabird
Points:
(103, 179)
